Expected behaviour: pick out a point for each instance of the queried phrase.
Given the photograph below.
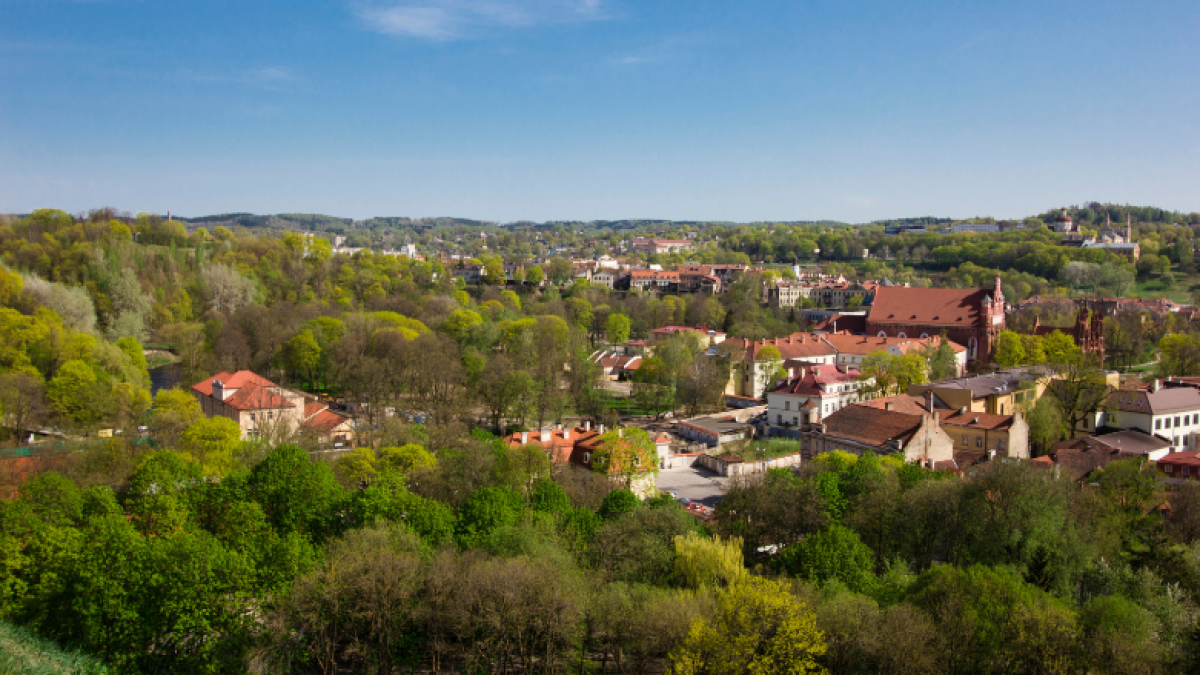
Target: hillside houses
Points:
(749, 374)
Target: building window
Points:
(1168, 468)
(587, 458)
(251, 417)
(1177, 420)
(979, 441)
(966, 440)
(1157, 424)
(1000, 444)
(787, 405)
(1185, 472)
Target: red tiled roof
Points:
(927, 306)
(1186, 458)
(232, 381)
(250, 391)
(794, 346)
(324, 421)
(814, 380)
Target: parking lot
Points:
(693, 483)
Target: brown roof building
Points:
(970, 317)
(858, 428)
(1181, 465)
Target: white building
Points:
(824, 389)
(974, 227)
(1171, 412)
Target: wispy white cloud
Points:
(443, 20)
(274, 78)
(672, 48)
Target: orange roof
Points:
(324, 420)
(251, 392)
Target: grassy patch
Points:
(1177, 286)
(22, 653)
(759, 449)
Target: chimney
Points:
(1154, 387)
(587, 425)
(620, 432)
(545, 435)
(524, 437)
(889, 405)
(566, 434)
(219, 391)
(600, 429)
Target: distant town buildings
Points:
(974, 227)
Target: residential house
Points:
(821, 389)
(1103, 448)
(579, 446)
(1181, 466)
(973, 433)
(261, 407)
(663, 281)
(615, 366)
(1172, 412)
(749, 374)
(859, 428)
(999, 393)
(470, 274)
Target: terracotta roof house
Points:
(817, 392)
(263, 408)
(578, 446)
(969, 316)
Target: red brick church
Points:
(973, 317)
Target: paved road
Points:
(694, 483)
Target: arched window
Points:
(881, 334)
(971, 348)
(924, 336)
(901, 335)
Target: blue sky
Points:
(586, 109)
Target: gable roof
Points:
(872, 426)
(815, 380)
(927, 306)
(1165, 401)
(1186, 458)
(250, 391)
